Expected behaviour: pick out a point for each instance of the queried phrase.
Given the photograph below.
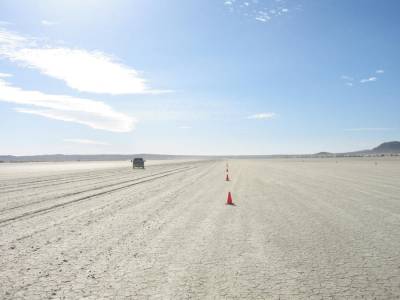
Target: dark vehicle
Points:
(138, 163)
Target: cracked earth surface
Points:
(312, 229)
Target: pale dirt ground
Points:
(29, 169)
(312, 229)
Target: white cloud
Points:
(86, 142)
(262, 11)
(348, 80)
(261, 19)
(94, 114)
(185, 127)
(370, 129)
(9, 41)
(47, 23)
(4, 75)
(345, 77)
(85, 71)
(370, 79)
(263, 116)
(263, 16)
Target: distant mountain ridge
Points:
(384, 148)
(388, 148)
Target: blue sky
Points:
(198, 77)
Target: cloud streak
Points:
(261, 11)
(80, 69)
(92, 113)
(350, 81)
(263, 116)
(86, 142)
(5, 75)
(370, 129)
(48, 23)
(370, 79)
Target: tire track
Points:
(83, 191)
(51, 208)
(18, 201)
(62, 180)
(70, 178)
(163, 214)
(55, 177)
(199, 176)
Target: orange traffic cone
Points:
(227, 177)
(229, 200)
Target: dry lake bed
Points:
(300, 229)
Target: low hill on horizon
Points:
(384, 148)
(90, 157)
(388, 147)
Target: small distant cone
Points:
(229, 200)
(227, 177)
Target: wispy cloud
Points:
(185, 127)
(263, 116)
(370, 79)
(347, 78)
(10, 40)
(5, 75)
(80, 69)
(370, 129)
(86, 142)
(350, 81)
(48, 23)
(262, 11)
(262, 18)
(92, 113)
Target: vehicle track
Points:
(26, 182)
(54, 182)
(63, 180)
(56, 177)
(103, 212)
(97, 183)
(309, 234)
(70, 177)
(87, 181)
(135, 182)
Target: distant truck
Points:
(138, 163)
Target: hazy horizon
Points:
(201, 155)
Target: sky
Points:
(198, 77)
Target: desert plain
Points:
(300, 229)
